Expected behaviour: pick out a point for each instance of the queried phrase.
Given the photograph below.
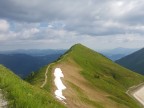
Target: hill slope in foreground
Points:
(91, 80)
(134, 61)
(20, 94)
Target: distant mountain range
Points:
(117, 53)
(134, 61)
(113, 54)
(34, 52)
(23, 64)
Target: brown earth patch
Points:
(81, 89)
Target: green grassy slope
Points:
(101, 74)
(37, 78)
(97, 66)
(20, 94)
(105, 74)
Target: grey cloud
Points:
(81, 16)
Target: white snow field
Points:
(58, 83)
(139, 95)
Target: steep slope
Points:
(20, 94)
(23, 64)
(134, 61)
(91, 80)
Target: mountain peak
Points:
(90, 77)
(77, 48)
(77, 45)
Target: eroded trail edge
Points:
(3, 102)
(137, 92)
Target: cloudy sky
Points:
(98, 24)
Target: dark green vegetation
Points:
(101, 73)
(23, 64)
(134, 61)
(23, 95)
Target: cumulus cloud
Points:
(129, 38)
(78, 15)
(4, 25)
(67, 21)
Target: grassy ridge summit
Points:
(134, 61)
(21, 94)
(92, 80)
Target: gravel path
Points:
(3, 102)
(137, 92)
(139, 95)
(45, 81)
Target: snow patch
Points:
(60, 86)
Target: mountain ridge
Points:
(82, 69)
(133, 61)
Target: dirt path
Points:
(45, 81)
(3, 102)
(136, 92)
(139, 95)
